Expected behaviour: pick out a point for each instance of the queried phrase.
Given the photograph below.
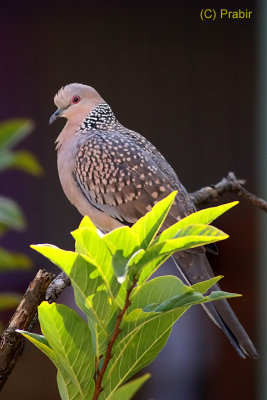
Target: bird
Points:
(114, 175)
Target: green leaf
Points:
(94, 290)
(203, 286)
(187, 299)
(9, 261)
(202, 217)
(87, 240)
(69, 337)
(67, 389)
(9, 300)
(136, 258)
(22, 160)
(14, 131)
(187, 237)
(128, 390)
(122, 243)
(72, 351)
(148, 226)
(143, 334)
(11, 214)
(87, 223)
(42, 344)
(200, 230)
(5, 159)
(89, 243)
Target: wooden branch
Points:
(11, 342)
(43, 287)
(108, 355)
(56, 287)
(226, 185)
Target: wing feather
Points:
(122, 178)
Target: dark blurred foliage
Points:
(189, 87)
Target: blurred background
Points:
(197, 90)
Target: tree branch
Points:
(226, 185)
(11, 342)
(100, 373)
(56, 287)
(43, 287)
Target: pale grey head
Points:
(75, 101)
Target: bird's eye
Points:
(75, 99)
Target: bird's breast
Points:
(66, 166)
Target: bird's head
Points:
(75, 101)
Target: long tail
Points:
(195, 268)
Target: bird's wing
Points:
(122, 179)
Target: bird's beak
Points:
(56, 115)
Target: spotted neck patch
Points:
(101, 117)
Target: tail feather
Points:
(195, 268)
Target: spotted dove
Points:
(114, 175)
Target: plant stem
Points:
(108, 355)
